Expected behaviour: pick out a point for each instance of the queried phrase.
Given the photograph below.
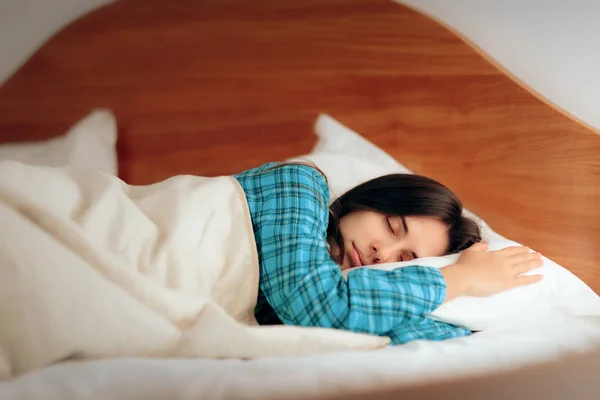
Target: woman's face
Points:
(373, 238)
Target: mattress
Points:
(269, 378)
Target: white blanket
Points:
(316, 376)
(91, 267)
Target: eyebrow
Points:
(404, 225)
(406, 233)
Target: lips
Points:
(355, 257)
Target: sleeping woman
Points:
(304, 243)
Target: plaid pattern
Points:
(302, 283)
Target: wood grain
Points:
(214, 87)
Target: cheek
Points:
(363, 229)
(348, 228)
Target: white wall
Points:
(26, 24)
(552, 45)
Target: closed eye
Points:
(407, 257)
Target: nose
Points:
(384, 252)
(380, 256)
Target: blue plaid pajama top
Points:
(302, 285)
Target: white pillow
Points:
(89, 143)
(348, 159)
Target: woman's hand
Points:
(480, 273)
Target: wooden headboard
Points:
(214, 87)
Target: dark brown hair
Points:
(405, 195)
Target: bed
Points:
(215, 87)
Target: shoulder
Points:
(288, 189)
(291, 179)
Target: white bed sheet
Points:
(494, 350)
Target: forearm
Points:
(425, 329)
(455, 282)
(371, 301)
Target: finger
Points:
(527, 266)
(480, 246)
(514, 250)
(524, 257)
(525, 280)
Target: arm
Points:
(426, 329)
(305, 286)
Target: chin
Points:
(345, 264)
(334, 251)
